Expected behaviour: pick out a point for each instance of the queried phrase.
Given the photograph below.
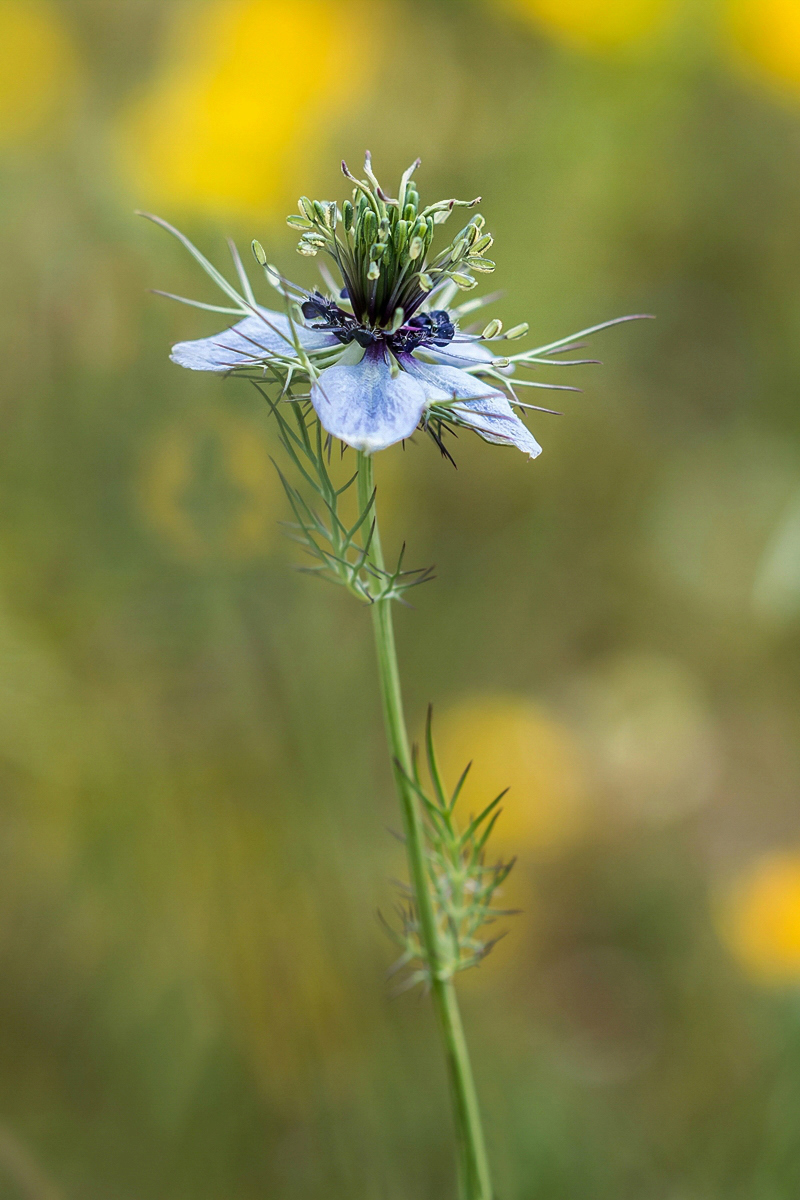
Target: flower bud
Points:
(347, 215)
(374, 271)
(415, 248)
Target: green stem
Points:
(473, 1164)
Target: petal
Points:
(368, 404)
(248, 343)
(485, 408)
(460, 353)
(464, 353)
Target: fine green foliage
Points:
(341, 551)
(464, 886)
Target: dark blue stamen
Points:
(425, 329)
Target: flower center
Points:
(382, 248)
(426, 329)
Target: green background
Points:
(195, 789)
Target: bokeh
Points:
(197, 806)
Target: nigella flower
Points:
(381, 351)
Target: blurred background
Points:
(195, 791)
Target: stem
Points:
(473, 1164)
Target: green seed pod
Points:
(369, 226)
(465, 282)
(306, 208)
(409, 212)
(347, 215)
(494, 328)
(483, 244)
(377, 251)
(259, 254)
(518, 331)
(400, 236)
(299, 222)
(319, 211)
(484, 265)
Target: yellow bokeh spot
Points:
(767, 34)
(593, 24)
(759, 918)
(37, 69)
(238, 108)
(512, 743)
(208, 487)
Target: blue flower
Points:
(382, 354)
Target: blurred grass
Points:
(195, 788)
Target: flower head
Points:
(381, 351)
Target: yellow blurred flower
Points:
(210, 490)
(759, 918)
(593, 24)
(242, 99)
(37, 69)
(767, 34)
(515, 744)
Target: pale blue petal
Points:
(248, 343)
(484, 408)
(460, 353)
(369, 404)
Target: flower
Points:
(214, 131)
(39, 74)
(382, 352)
(593, 24)
(767, 33)
(759, 918)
